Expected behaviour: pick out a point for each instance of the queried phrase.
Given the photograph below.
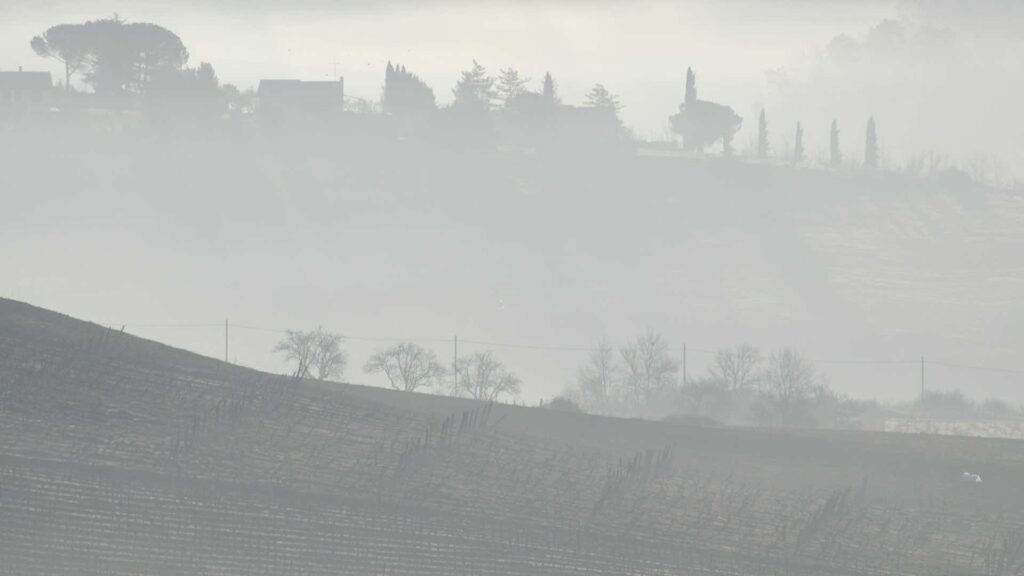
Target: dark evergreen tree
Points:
(702, 123)
(405, 94)
(510, 85)
(762, 136)
(871, 147)
(550, 91)
(599, 97)
(798, 148)
(475, 89)
(835, 156)
(691, 87)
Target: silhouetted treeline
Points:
(139, 74)
(646, 377)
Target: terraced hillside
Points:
(123, 456)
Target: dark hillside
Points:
(123, 456)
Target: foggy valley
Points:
(658, 287)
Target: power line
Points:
(260, 329)
(865, 361)
(974, 367)
(283, 331)
(115, 325)
(560, 348)
(531, 346)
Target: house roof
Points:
(18, 80)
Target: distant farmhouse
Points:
(25, 90)
(297, 101)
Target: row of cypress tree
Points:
(871, 149)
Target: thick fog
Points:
(538, 258)
(516, 288)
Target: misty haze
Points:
(655, 287)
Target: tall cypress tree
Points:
(871, 146)
(550, 92)
(691, 87)
(835, 156)
(798, 148)
(762, 136)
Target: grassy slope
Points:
(310, 477)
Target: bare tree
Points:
(790, 381)
(597, 379)
(406, 366)
(315, 353)
(648, 367)
(482, 377)
(737, 368)
(328, 358)
(297, 347)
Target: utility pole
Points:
(684, 364)
(455, 362)
(922, 380)
(225, 340)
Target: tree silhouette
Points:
(762, 136)
(475, 89)
(405, 94)
(738, 368)
(482, 377)
(599, 97)
(702, 123)
(790, 380)
(798, 147)
(509, 85)
(871, 146)
(550, 91)
(116, 57)
(691, 87)
(191, 93)
(598, 379)
(835, 156)
(67, 44)
(406, 366)
(648, 367)
(315, 353)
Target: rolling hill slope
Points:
(123, 456)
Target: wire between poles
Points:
(553, 348)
